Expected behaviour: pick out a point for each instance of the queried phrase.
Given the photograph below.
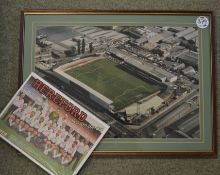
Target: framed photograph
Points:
(147, 74)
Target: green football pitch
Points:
(114, 83)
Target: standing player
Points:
(18, 101)
(38, 110)
(29, 107)
(18, 113)
(21, 111)
(45, 106)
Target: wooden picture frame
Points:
(173, 50)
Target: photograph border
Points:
(211, 153)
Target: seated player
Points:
(69, 142)
(19, 113)
(17, 121)
(38, 110)
(42, 130)
(63, 155)
(38, 136)
(45, 127)
(53, 124)
(11, 120)
(63, 144)
(66, 158)
(28, 120)
(19, 100)
(58, 138)
(47, 147)
(73, 149)
(57, 153)
(61, 140)
(27, 127)
(21, 126)
(56, 141)
(38, 123)
(63, 130)
(48, 143)
(33, 129)
(29, 107)
(62, 148)
(48, 127)
(30, 131)
(46, 119)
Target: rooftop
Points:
(185, 32)
(191, 35)
(145, 105)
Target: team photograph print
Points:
(49, 128)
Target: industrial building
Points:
(190, 58)
(144, 106)
(186, 127)
(189, 70)
(95, 34)
(185, 32)
(176, 29)
(191, 36)
(164, 48)
(178, 67)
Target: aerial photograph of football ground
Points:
(143, 81)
